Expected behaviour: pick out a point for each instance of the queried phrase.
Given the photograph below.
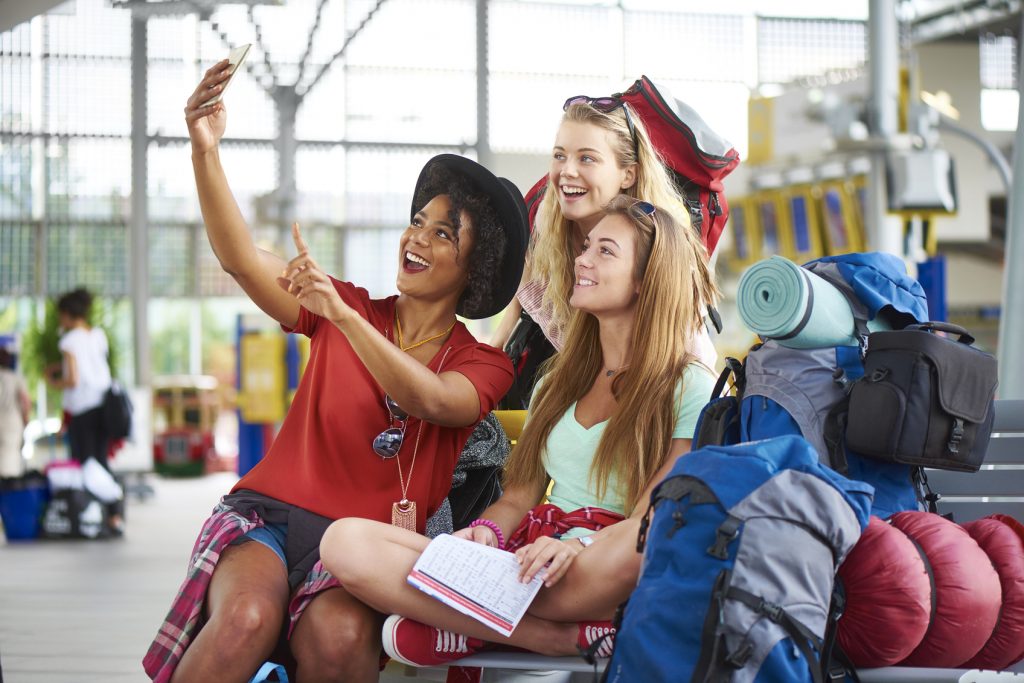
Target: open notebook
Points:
(476, 580)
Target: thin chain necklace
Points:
(403, 512)
(401, 343)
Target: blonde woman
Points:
(600, 150)
(608, 421)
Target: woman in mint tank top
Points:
(613, 412)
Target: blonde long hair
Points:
(550, 259)
(674, 279)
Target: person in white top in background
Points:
(84, 377)
(14, 411)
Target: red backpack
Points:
(697, 157)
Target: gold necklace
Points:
(401, 343)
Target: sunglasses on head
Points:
(606, 105)
(389, 442)
(646, 208)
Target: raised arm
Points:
(255, 270)
(447, 399)
(509, 318)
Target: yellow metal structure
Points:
(262, 394)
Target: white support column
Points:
(139, 219)
(1011, 322)
(884, 232)
(483, 124)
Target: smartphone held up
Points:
(235, 60)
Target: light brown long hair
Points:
(674, 279)
(554, 243)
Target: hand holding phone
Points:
(235, 60)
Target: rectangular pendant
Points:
(403, 514)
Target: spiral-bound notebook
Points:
(476, 580)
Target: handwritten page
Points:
(476, 580)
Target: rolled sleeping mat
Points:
(779, 300)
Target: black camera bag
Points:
(925, 399)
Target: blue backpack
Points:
(738, 566)
(783, 390)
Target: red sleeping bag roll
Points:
(1002, 537)
(888, 597)
(967, 591)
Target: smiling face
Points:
(432, 261)
(605, 270)
(586, 172)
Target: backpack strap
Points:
(835, 436)
(835, 665)
(717, 663)
(805, 639)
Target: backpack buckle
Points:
(724, 535)
(738, 658)
(771, 610)
(956, 436)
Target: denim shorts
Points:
(270, 535)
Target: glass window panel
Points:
(577, 41)
(998, 61)
(15, 93)
(92, 255)
(516, 127)
(89, 178)
(326, 243)
(407, 106)
(88, 96)
(92, 28)
(371, 259)
(320, 179)
(791, 48)
(252, 173)
(16, 178)
(380, 186)
(169, 86)
(172, 188)
(172, 38)
(321, 115)
(677, 46)
(171, 268)
(17, 258)
(440, 34)
(999, 109)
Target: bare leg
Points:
(599, 580)
(337, 639)
(246, 602)
(372, 561)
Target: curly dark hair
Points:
(489, 237)
(75, 303)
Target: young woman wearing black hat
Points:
(392, 391)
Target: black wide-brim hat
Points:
(507, 202)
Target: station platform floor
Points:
(86, 611)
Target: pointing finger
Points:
(300, 243)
